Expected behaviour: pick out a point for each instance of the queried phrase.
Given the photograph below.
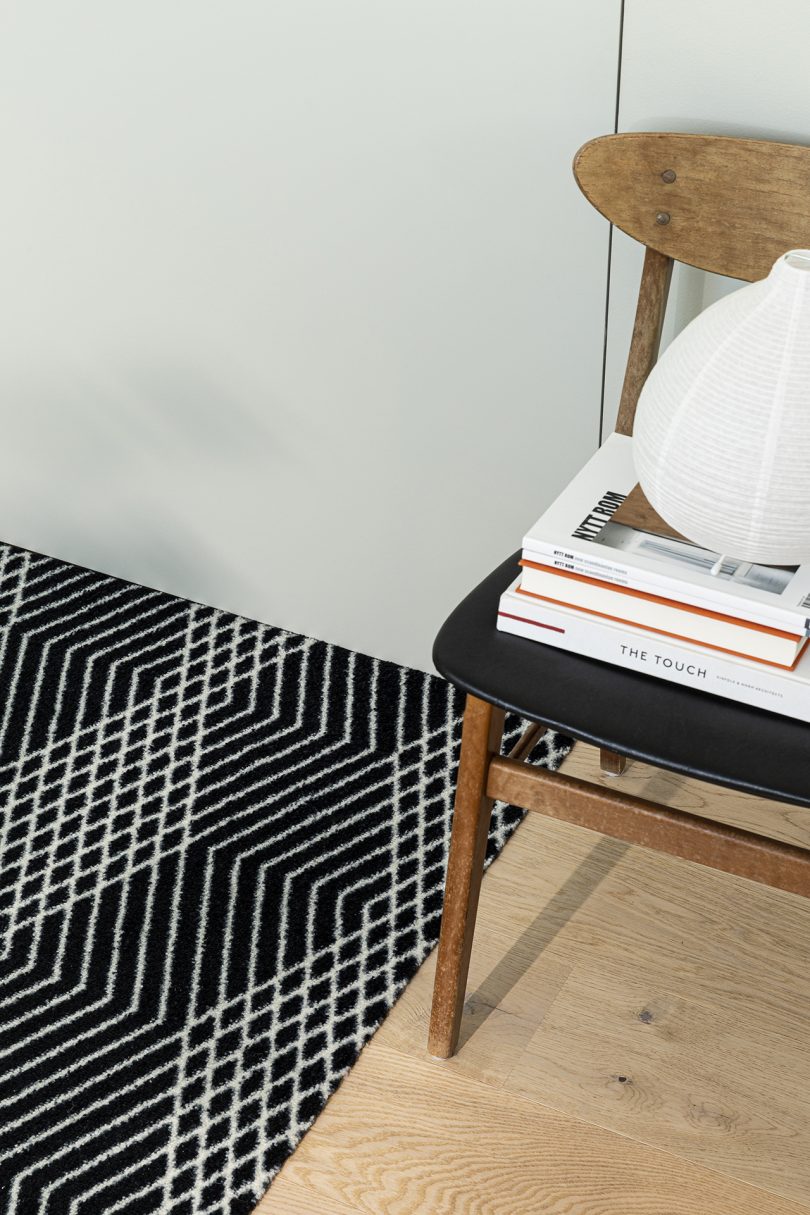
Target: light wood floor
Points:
(636, 1043)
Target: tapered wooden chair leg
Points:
(481, 736)
(611, 763)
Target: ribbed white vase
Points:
(721, 440)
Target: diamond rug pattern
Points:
(222, 849)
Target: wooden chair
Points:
(731, 206)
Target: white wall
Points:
(301, 310)
(713, 67)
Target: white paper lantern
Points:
(721, 440)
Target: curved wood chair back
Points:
(730, 206)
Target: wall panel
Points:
(289, 285)
(708, 66)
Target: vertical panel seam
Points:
(610, 231)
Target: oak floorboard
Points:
(578, 936)
(621, 1048)
(290, 1198)
(448, 1144)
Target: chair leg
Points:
(611, 763)
(481, 737)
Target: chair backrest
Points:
(732, 206)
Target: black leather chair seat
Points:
(639, 716)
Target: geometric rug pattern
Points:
(222, 850)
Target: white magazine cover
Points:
(576, 534)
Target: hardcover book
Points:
(739, 679)
(583, 532)
(683, 622)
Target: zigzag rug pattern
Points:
(222, 848)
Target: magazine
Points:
(578, 533)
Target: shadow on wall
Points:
(735, 130)
(114, 470)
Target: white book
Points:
(576, 534)
(740, 679)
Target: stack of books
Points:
(603, 575)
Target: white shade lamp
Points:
(721, 439)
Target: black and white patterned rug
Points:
(222, 849)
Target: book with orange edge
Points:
(656, 613)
